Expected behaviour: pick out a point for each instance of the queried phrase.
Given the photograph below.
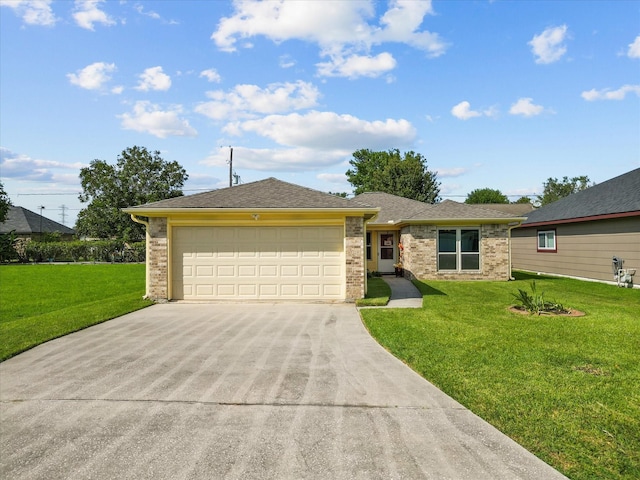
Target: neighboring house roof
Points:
(617, 197)
(26, 222)
(270, 193)
(397, 210)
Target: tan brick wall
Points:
(158, 259)
(421, 262)
(354, 258)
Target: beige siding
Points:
(583, 249)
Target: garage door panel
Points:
(247, 270)
(204, 289)
(311, 290)
(331, 271)
(289, 271)
(258, 263)
(225, 290)
(204, 270)
(225, 271)
(310, 271)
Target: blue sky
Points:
(498, 94)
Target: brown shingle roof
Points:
(517, 209)
(394, 209)
(454, 210)
(268, 193)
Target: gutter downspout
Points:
(147, 278)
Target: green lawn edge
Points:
(378, 293)
(23, 334)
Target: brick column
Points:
(354, 258)
(158, 260)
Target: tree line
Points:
(140, 176)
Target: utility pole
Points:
(230, 165)
(64, 213)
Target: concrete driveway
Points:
(205, 391)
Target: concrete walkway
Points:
(211, 391)
(404, 294)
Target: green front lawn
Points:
(378, 293)
(41, 302)
(567, 389)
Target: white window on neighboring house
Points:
(459, 249)
(547, 241)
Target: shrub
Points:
(535, 302)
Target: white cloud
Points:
(634, 48)
(608, 94)
(450, 172)
(278, 159)
(463, 111)
(87, 13)
(356, 66)
(150, 13)
(344, 31)
(401, 23)
(549, 47)
(92, 77)
(526, 108)
(154, 78)
(211, 75)
(329, 131)
(22, 167)
(149, 118)
(285, 61)
(246, 100)
(337, 178)
(33, 12)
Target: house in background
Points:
(30, 225)
(273, 240)
(443, 241)
(578, 236)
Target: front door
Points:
(386, 252)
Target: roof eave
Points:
(591, 218)
(164, 212)
(451, 221)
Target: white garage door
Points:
(214, 263)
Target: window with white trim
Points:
(547, 241)
(459, 249)
(368, 245)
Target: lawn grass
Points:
(45, 301)
(567, 389)
(378, 293)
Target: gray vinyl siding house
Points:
(579, 235)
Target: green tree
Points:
(138, 177)
(405, 175)
(524, 199)
(486, 195)
(555, 190)
(5, 203)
